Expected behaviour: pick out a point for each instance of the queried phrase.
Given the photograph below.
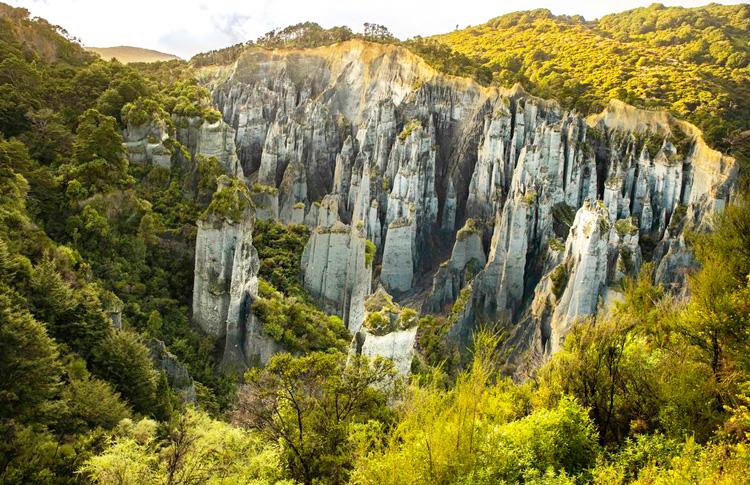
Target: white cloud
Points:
(187, 27)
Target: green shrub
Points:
(298, 325)
(409, 127)
(229, 201)
(559, 277)
(370, 250)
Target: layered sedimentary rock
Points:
(364, 141)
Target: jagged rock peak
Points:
(385, 158)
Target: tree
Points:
(599, 366)
(73, 316)
(91, 402)
(307, 403)
(377, 32)
(99, 157)
(123, 360)
(194, 449)
(48, 138)
(716, 320)
(28, 363)
(29, 394)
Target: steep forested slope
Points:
(89, 244)
(694, 62)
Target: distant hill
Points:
(128, 54)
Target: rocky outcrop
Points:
(388, 331)
(364, 141)
(214, 259)
(399, 255)
(206, 139)
(577, 282)
(398, 346)
(596, 256)
(226, 278)
(145, 143)
(294, 194)
(150, 142)
(335, 267)
(467, 258)
(177, 375)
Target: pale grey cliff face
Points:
(225, 286)
(397, 346)
(146, 143)
(388, 331)
(334, 266)
(214, 258)
(467, 258)
(210, 140)
(363, 141)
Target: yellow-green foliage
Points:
(296, 324)
(627, 226)
(264, 189)
(378, 323)
(559, 278)
(188, 98)
(390, 319)
(530, 196)
(434, 349)
(556, 244)
(209, 171)
(407, 318)
(230, 201)
(143, 110)
(483, 430)
(693, 62)
(370, 250)
(470, 227)
(464, 299)
(195, 448)
(211, 115)
(384, 316)
(409, 127)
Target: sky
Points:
(187, 27)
